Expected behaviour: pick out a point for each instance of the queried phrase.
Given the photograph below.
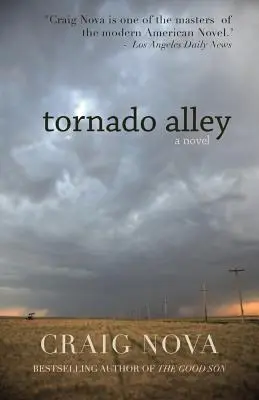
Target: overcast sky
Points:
(101, 224)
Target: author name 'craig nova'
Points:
(122, 344)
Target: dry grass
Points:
(20, 349)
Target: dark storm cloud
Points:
(102, 224)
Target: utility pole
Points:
(165, 308)
(148, 311)
(236, 272)
(204, 291)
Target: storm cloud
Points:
(102, 224)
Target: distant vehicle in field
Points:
(30, 316)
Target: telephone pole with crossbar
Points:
(236, 272)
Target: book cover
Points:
(128, 200)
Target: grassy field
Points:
(233, 373)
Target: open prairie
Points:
(98, 371)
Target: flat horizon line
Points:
(172, 319)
